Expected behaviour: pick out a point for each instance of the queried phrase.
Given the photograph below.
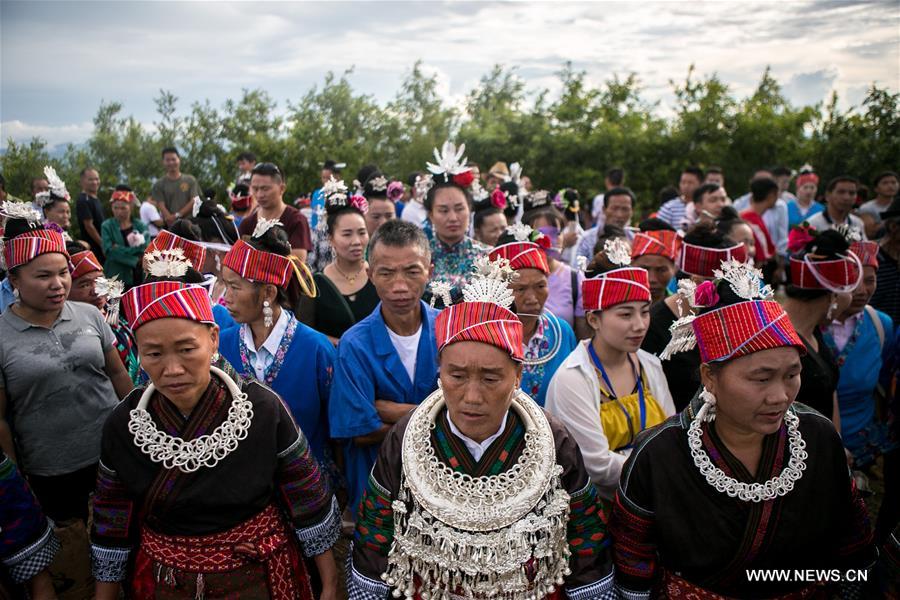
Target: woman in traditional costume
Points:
(548, 340)
(608, 390)
(91, 287)
(263, 286)
(124, 238)
(478, 493)
(749, 479)
(346, 295)
(210, 484)
(823, 274)
(60, 374)
(703, 250)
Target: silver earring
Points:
(215, 357)
(708, 410)
(831, 309)
(268, 314)
(16, 293)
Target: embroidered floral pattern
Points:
(273, 369)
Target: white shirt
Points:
(842, 332)
(263, 358)
(150, 213)
(476, 449)
(821, 223)
(415, 213)
(407, 347)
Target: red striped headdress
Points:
(866, 252)
(526, 252)
(258, 265)
(164, 300)
(628, 284)
(661, 243)
(841, 275)
(84, 263)
(744, 328)
(166, 240)
(702, 261)
(26, 247)
(484, 314)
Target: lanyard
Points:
(640, 386)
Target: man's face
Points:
(618, 210)
(266, 190)
(712, 203)
(687, 184)
(90, 182)
(887, 186)
(171, 162)
(784, 182)
(399, 275)
(842, 197)
(864, 291)
(660, 270)
(245, 166)
(326, 174)
(39, 186)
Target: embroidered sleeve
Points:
(360, 587)
(634, 550)
(304, 492)
(27, 542)
(111, 534)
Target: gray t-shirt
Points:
(175, 193)
(57, 392)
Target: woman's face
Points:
(381, 210)
(807, 192)
(450, 215)
(349, 237)
(243, 298)
(530, 290)
(43, 283)
(863, 292)
(121, 211)
(742, 234)
(83, 290)
(59, 213)
(478, 381)
(621, 327)
(754, 391)
(491, 229)
(176, 354)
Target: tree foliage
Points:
(567, 141)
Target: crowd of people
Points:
(450, 385)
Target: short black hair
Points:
(655, 224)
(248, 156)
(706, 188)
(727, 220)
(882, 175)
(695, 171)
(761, 188)
(123, 188)
(781, 171)
(609, 232)
(667, 193)
(714, 170)
(398, 233)
(170, 150)
(411, 178)
(484, 213)
(618, 191)
(82, 172)
(616, 176)
(841, 179)
(267, 169)
(705, 235)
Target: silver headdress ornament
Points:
(617, 252)
(515, 175)
(449, 160)
(20, 210)
(581, 263)
(335, 191)
(57, 187)
(263, 225)
(167, 263)
(520, 231)
(112, 289)
(745, 280)
(807, 168)
(379, 184)
(198, 202)
(539, 198)
(849, 232)
(490, 282)
(479, 194)
(441, 289)
(423, 184)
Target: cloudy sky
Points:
(59, 59)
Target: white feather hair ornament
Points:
(520, 231)
(449, 160)
(167, 263)
(745, 280)
(198, 202)
(441, 289)
(263, 225)
(112, 289)
(515, 175)
(617, 251)
(479, 194)
(57, 187)
(490, 282)
(20, 210)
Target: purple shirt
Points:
(559, 298)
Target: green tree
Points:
(21, 163)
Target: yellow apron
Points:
(622, 426)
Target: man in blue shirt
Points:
(387, 363)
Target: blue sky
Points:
(59, 59)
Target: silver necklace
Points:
(204, 451)
(752, 492)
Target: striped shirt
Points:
(673, 212)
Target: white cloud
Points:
(52, 134)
